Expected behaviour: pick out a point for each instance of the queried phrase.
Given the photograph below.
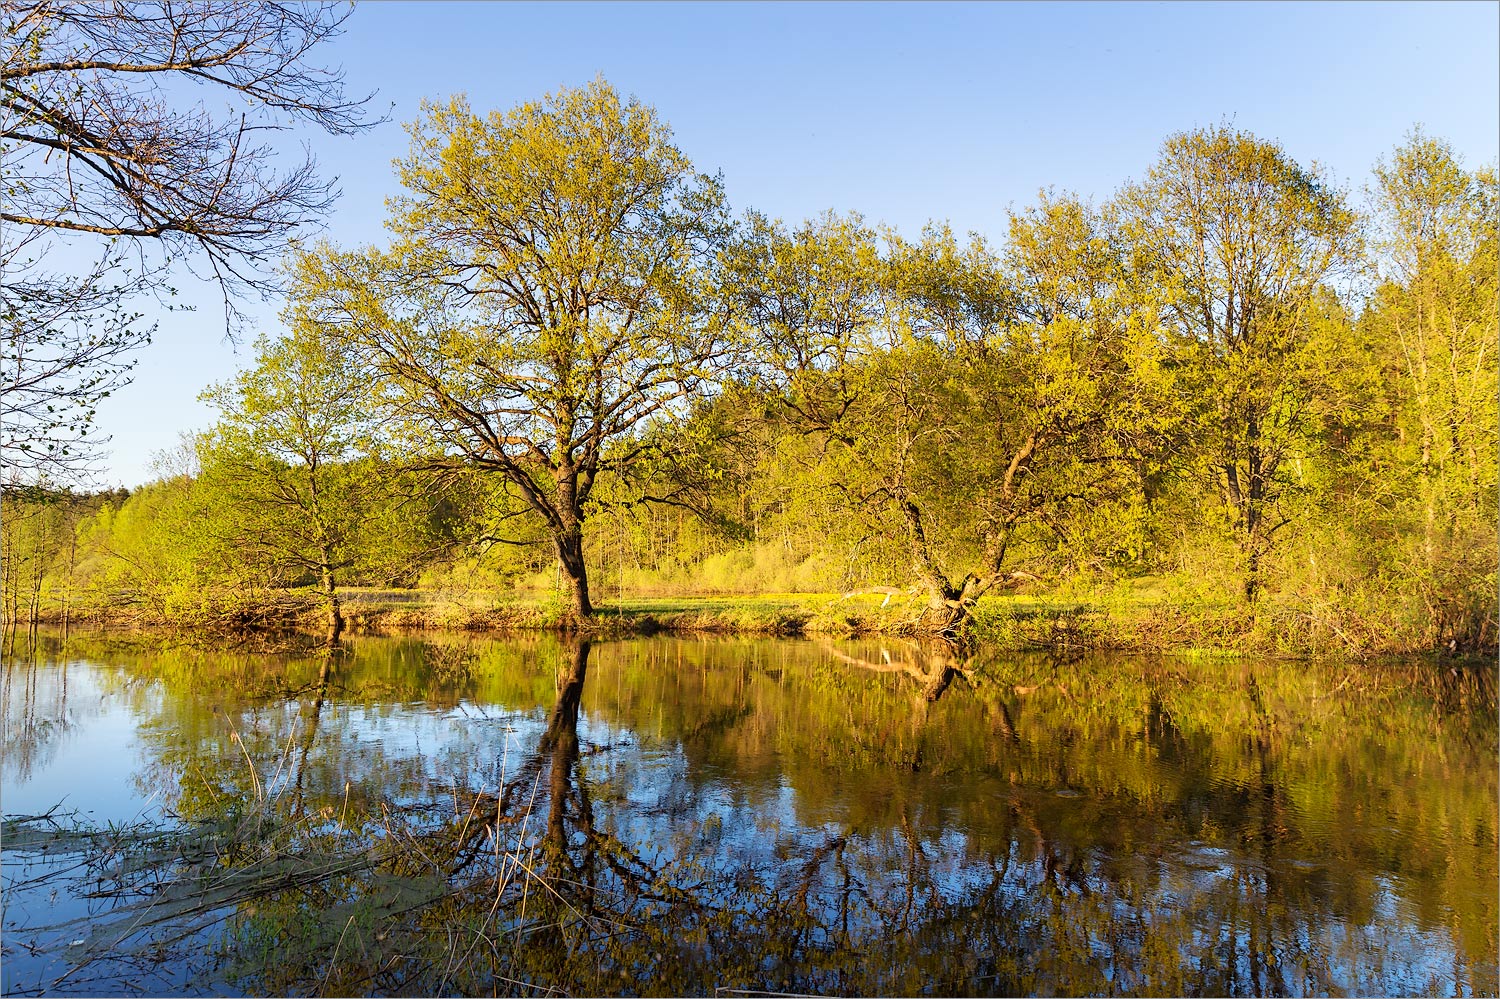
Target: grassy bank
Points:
(765, 614)
(1139, 617)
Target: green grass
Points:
(1164, 615)
(1006, 621)
(762, 614)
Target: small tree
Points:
(546, 295)
(288, 463)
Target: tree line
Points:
(1232, 376)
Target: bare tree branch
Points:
(105, 131)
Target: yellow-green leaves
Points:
(1242, 241)
(290, 480)
(546, 294)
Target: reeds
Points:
(287, 897)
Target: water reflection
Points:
(461, 815)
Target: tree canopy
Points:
(547, 293)
(1231, 395)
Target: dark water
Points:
(472, 816)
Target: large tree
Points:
(546, 295)
(117, 171)
(1240, 241)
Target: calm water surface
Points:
(459, 815)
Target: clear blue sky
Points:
(903, 112)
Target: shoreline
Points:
(1006, 624)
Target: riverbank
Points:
(1141, 619)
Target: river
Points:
(453, 814)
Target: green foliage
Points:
(1238, 242)
(1432, 321)
(960, 404)
(290, 474)
(40, 552)
(152, 554)
(545, 297)
(602, 378)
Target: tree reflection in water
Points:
(835, 818)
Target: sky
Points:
(905, 113)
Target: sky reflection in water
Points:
(677, 816)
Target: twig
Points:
(323, 988)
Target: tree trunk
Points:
(68, 585)
(335, 614)
(36, 593)
(944, 619)
(945, 611)
(569, 546)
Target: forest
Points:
(1235, 405)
